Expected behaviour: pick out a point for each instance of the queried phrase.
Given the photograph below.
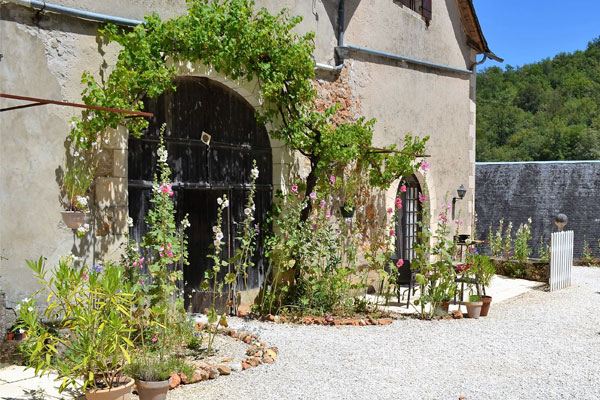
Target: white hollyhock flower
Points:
(226, 204)
(217, 242)
(215, 229)
(219, 201)
(254, 173)
(76, 154)
(130, 221)
(247, 211)
(219, 236)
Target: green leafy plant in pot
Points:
(89, 342)
(474, 306)
(483, 269)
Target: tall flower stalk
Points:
(242, 260)
(211, 275)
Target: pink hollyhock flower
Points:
(398, 203)
(142, 261)
(135, 263)
(154, 339)
(422, 197)
(314, 226)
(400, 263)
(167, 188)
(323, 203)
(403, 188)
(390, 210)
(84, 276)
(313, 195)
(332, 179)
(295, 189)
(328, 214)
(424, 165)
(392, 232)
(141, 282)
(287, 235)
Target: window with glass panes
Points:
(407, 226)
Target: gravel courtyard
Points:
(539, 345)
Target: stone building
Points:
(410, 64)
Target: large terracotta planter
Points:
(148, 390)
(474, 308)
(74, 219)
(122, 392)
(487, 300)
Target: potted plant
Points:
(484, 271)
(76, 181)
(152, 374)
(88, 340)
(474, 306)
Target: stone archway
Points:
(201, 173)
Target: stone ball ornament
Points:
(561, 220)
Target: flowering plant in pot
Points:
(436, 278)
(76, 180)
(88, 340)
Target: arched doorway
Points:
(407, 223)
(201, 173)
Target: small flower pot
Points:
(487, 300)
(445, 305)
(347, 211)
(122, 392)
(474, 308)
(74, 219)
(149, 390)
(10, 336)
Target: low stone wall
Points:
(531, 270)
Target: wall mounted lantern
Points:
(461, 194)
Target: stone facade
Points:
(47, 54)
(541, 190)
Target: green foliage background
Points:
(548, 110)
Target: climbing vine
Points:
(241, 43)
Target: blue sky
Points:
(523, 32)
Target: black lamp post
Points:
(461, 194)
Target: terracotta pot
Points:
(486, 305)
(10, 336)
(445, 305)
(122, 392)
(73, 219)
(474, 308)
(149, 390)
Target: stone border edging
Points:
(257, 353)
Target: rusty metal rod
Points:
(19, 107)
(64, 103)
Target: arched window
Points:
(407, 223)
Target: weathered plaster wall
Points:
(47, 54)
(541, 190)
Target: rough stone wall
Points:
(517, 191)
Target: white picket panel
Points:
(561, 260)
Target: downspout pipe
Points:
(341, 29)
(74, 12)
(342, 50)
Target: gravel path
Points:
(540, 345)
